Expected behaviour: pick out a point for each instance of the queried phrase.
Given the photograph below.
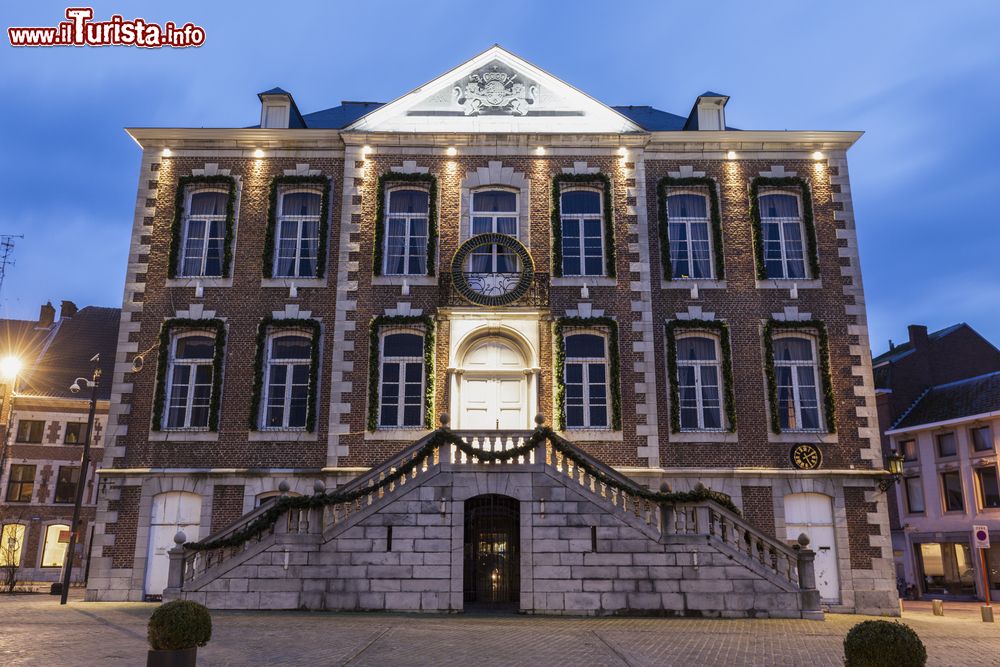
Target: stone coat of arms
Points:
(495, 90)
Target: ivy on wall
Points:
(817, 328)
(787, 182)
(611, 327)
(721, 329)
(426, 322)
(390, 178)
(558, 181)
(167, 331)
(264, 522)
(177, 226)
(279, 182)
(715, 220)
(270, 325)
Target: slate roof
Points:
(75, 341)
(963, 398)
(905, 349)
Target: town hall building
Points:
(494, 343)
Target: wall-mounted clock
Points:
(806, 456)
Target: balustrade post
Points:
(811, 609)
(702, 519)
(666, 513)
(175, 571)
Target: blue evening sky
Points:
(920, 78)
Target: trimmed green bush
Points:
(883, 644)
(179, 624)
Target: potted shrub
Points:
(883, 644)
(176, 630)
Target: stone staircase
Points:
(666, 556)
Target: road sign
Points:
(981, 537)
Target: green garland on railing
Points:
(614, 383)
(218, 328)
(819, 329)
(175, 226)
(266, 326)
(608, 215)
(721, 329)
(272, 220)
(389, 178)
(807, 220)
(715, 220)
(427, 323)
(260, 525)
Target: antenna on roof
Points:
(6, 254)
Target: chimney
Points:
(67, 309)
(46, 315)
(918, 335)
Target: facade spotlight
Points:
(818, 155)
(167, 152)
(258, 153)
(731, 155)
(452, 151)
(540, 150)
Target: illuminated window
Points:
(203, 234)
(689, 235)
(30, 430)
(796, 376)
(11, 544)
(908, 448)
(946, 445)
(75, 433)
(582, 233)
(989, 489)
(66, 483)
(401, 388)
(586, 381)
(914, 495)
(698, 390)
(21, 483)
(982, 438)
(406, 233)
(494, 211)
(56, 543)
(286, 396)
(781, 225)
(296, 246)
(189, 380)
(951, 484)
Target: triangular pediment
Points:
(496, 92)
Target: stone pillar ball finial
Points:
(803, 540)
(180, 538)
(699, 487)
(444, 419)
(665, 487)
(319, 486)
(283, 486)
(540, 419)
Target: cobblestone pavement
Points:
(34, 630)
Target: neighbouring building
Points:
(678, 300)
(939, 402)
(44, 427)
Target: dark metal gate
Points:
(492, 552)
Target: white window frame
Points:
(781, 235)
(189, 194)
(944, 491)
(907, 495)
(581, 217)
(687, 222)
(977, 481)
(400, 399)
(281, 218)
(409, 218)
(45, 545)
(269, 364)
(796, 393)
(516, 214)
(698, 364)
(172, 363)
(585, 379)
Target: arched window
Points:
(698, 380)
(406, 233)
(586, 380)
(56, 542)
(401, 384)
(287, 369)
(796, 377)
(204, 233)
(494, 211)
(688, 229)
(781, 226)
(189, 380)
(296, 245)
(11, 544)
(582, 232)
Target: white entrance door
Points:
(172, 511)
(494, 389)
(812, 514)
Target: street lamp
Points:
(81, 482)
(10, 366)
(894, 463)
